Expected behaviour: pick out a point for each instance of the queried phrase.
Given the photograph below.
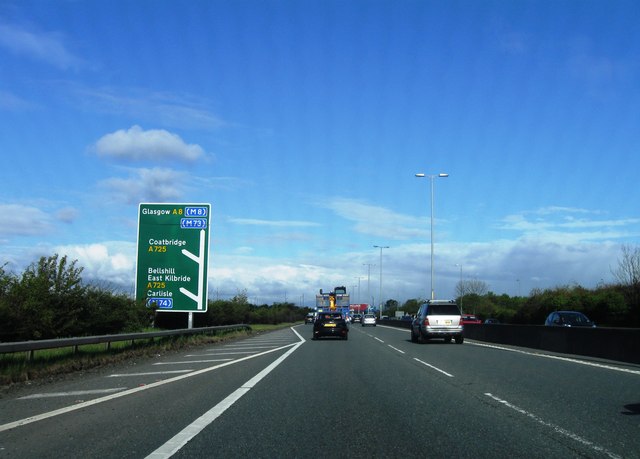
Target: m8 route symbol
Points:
(173, 255)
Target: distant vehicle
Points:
(490, 321)
(330, 324)
(369, 319)
(438, 319)
(309, 318)
(357, 318)
(470, 319)
(568, 319)
(336, 300)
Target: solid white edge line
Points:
(68, 409)
(554, 427)
(176, 443)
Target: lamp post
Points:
(369, 265)
(431, 177)
(358, 298)
(461, 287)
(380, 296)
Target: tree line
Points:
(49, 300)
(616, 305)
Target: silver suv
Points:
(437, 319)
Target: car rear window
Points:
(443, 310)
(331, 316)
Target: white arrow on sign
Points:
(199, 259)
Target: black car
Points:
(330, 324)
(357, 318)
(568, 319)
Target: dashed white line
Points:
(434, 368)
(191, 361)
(396, 349)
(556, 357)
(220, 353)
(247, 346)
(555, 428)
(73, 393)
(149, 373)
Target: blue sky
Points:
(303, 123)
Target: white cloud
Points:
(20, 220)
(147, 185)
(110, 262)
(561, 224)
(9, 101)
(67, 214)
(272, 223)
(154, 144)
(46, 47)
(376, 220)
(167, 109)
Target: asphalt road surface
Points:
(282, 395)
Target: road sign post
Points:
(173, 254)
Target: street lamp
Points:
(431, 177)
(369, 265)
(358, 298)
(380, 296)
(461, 287)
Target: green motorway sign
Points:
(173, 254)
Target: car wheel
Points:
(413, 337)
(459, 339)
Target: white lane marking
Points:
(149, 373)
(434, 368)
(554, 427)
(247, 346)
(378, 339)
(78, 406)
(396, 349)
(183, 437)
(219, 353)
(73, 393)
(556, 357)
(191, 361)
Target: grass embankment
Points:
(50, 363)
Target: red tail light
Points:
(426, 322)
